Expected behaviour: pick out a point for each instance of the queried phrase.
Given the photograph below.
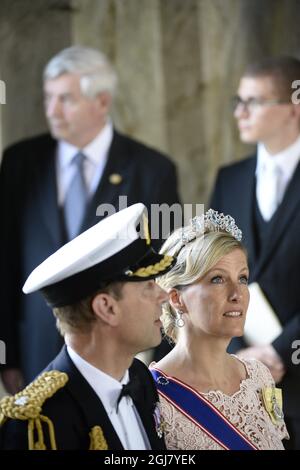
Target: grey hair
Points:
(96, 72)
(194, 260)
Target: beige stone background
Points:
(178, 61)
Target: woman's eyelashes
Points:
(244, 279)
(218, 279)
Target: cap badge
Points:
(146, 229)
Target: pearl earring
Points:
(179, 322)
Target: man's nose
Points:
(53, 107)
(235, 294)
(162, 294)
(241, 110)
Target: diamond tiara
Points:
(213, 221)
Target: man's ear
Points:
(175, 299)
(106, 308)
(104, 100)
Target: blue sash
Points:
(201, 412)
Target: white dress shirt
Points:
(96, 153)
(126, 422)
(285, 162)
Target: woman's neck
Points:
(204, 364)
(203, 354)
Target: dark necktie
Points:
(132, 389)
(76, 198)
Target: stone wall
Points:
(178, 60)
(30, 32)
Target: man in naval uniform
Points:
(94, 394)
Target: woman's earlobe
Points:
(175, 299)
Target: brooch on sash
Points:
(162, 380)
(272, 400)
(158, 421)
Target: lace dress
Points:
(244, 409)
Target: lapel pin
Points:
(115, 178)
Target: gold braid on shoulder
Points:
(153, 269)
(27, 405)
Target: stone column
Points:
(30, 33)
(129, 32)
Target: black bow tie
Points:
(132, 388)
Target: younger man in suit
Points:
(94, 394)
(262, 194)
(53, 187)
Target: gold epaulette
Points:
(27, 405)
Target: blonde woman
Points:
(209, 398)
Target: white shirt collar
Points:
(95, 151)
(286, 160)
(106, 387)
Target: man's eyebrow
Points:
(244, 268)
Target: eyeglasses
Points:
(253, 103)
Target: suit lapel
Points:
(93, 410)
(46, 185)
(145, 404)
(147, 418)
(90, 404)
(109, 189)
(280, 221)
(244, 203)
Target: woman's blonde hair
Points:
(194, 259)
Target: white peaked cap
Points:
(112, 250)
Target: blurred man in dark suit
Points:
(52, 187)
(262, 194)
(94, 394)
